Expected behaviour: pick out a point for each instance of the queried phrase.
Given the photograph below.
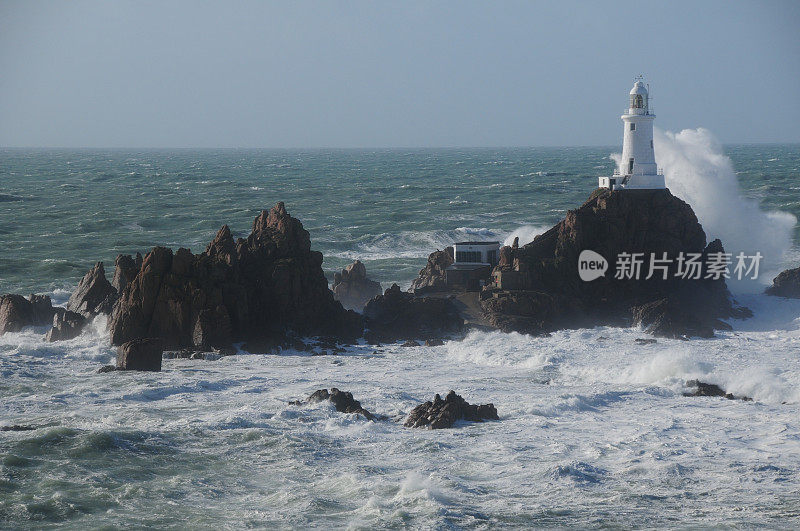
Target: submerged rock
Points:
(140, 355)
(343, 401)
(397, 315)
(444, 413)
(17, 427)
(786, 284)
(538, 288)
(707, 389)
(352, 288)
(432, 277)
(107, 368)
(66, 325)
(94, 295)
(257, 290)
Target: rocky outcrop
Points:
(17, 312)
(548, 293)
(444, 413)
(397, 315)
(786, 284)
(140, 355)
(94, 295)
(432, 277)
(706, 389)
(343, 401)
(352, 288)
(261, 289)
(66, 325)
(125, 269)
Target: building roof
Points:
(639, 88)
(476, 243)
(467, 266)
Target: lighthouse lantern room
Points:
(638, 168)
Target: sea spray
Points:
(697, 170)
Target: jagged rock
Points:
(397, 315)
(707, 389)
(140, 355)
(786, 284)
(125, 269)
(651, 222)
(444, 413)
(257, 290)
(343, 401)
(352, 288)
(106, 368)
(94, 295)
(410, 343)
(16, 312)
(42, 308)
(433, 342)
(66, 325)
(432, 277)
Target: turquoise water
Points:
(594, 430)
(62, 210)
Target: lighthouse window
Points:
(630, 166)
(651, 144)
(633, 127)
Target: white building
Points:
(472, 266)
(638, 166)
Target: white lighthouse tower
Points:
(638, 166)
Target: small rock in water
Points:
(343, 401)
(140, 355)
(444, 413)
(17, 427)
(707, 389)
(643, 341)
(66, 325)
(106, 368)
(433, 342)
(410, 343)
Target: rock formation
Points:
(17, 312)
(432, 277)
(786, 284)
(707, 389)
(66, 325)
(444, 413)
(125, 270)
(353, 289)
(397, 315)
(94, 295)
(343, 401)
(540, 289)
(140, 355)
(260, 289)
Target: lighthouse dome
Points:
(639, 97)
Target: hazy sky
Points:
(373, 74)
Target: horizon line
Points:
(365, 148)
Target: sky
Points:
(391, 74)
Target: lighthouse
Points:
(637, 169)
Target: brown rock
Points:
(343, 401)
(786, 284)
(432, 277)
(16, 312)
(94, 295)
(66, 325)
(353, 289)
(125, 270)
(397, 315)
(444, 413)
(256, 290)
(140, 355)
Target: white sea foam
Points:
(697, 170)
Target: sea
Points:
(594, 429)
